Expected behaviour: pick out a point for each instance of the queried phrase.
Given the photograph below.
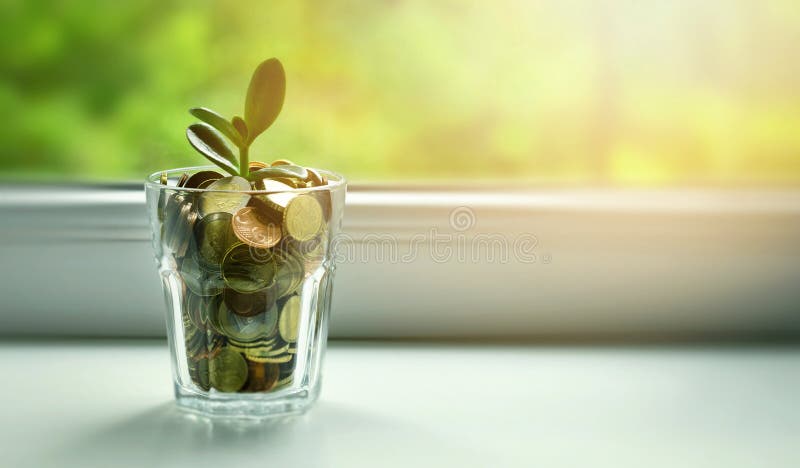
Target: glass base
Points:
(291, 402)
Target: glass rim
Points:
(335, 181)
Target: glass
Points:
(247, 309)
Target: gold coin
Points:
(324, 199)
(302, 218)
(280, 201)
(288, 323)
(282, 162)
(253, 228)
(213, 237)
(271, 185)
(248, 269)
(248, 305)
(272, 360)
(256, 165)
(265, 344)
(222, 196)
(163, 179)
(245, 329)
(227, 371)
(294, 183)
(315, 177)
(289, 272)
(266, 352)
(183, 179)
(179, 227)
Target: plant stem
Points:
(244, 161)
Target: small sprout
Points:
(218, 122)
(210, 144)
(241, 127)
(263, 104)
(264, 97)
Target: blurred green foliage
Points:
(622, 92)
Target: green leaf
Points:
(210, 144)
(241, 127)
(264, 97)
(292, 172)
(219, 122)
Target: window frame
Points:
(610, 263)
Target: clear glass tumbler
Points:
(247, 279)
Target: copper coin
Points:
(255, 229)
(261, 376)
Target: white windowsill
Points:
(110, 404)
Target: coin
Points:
(282, 162)
(203, 378)
(256, 165)
(222, 196)
(271, 185)
(269, 359)
(267, 342)
(180, 217)
(287, 368)
(294, 183)
(277, 349)
(199, 280)
(325, 202)
(311, 252)
(214, 318)
(214, 236)
(227, 371)
(200, 177)
(289, 273)
(314, 258)
(214, 342)
(163, 179)
(315, 177)
(247, 328)
(286, 381)
(204, 184)
(194, 341)
(197, 308)
(251, 304)
(283, 171)
(302, 218)
(183, 179)
(247, 269)
(252, 227)
(267, 208)
(261, 376)
(289, 319)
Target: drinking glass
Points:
(247, 278)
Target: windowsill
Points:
(399, 405)
(609, 264)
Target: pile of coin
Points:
(243, 249)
